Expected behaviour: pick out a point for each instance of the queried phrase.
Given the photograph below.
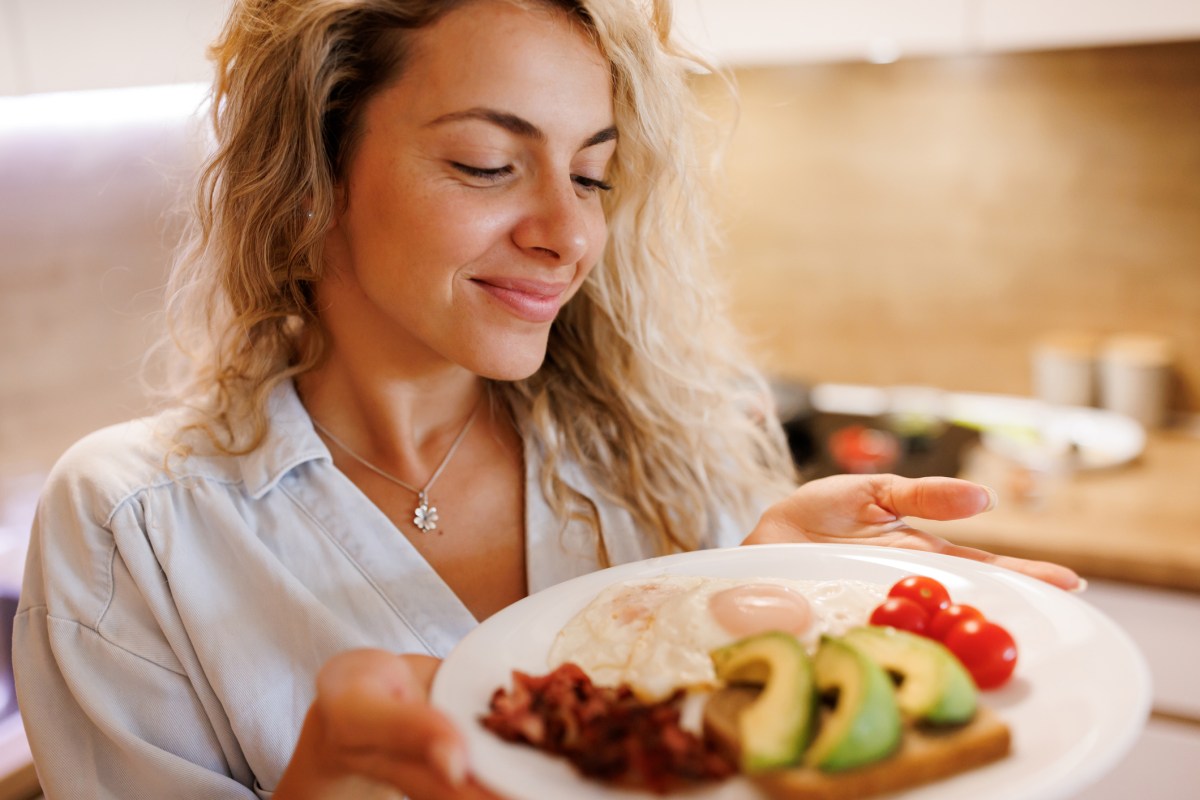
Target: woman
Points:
(451, 340)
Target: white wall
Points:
(54, 45)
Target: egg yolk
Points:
(757, 608)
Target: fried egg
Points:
(656, 634)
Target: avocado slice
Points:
(934, 686)
(776, 727)
(865, 724)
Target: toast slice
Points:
(925, 754)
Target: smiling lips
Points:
(530, 300)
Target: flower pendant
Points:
(425, 516)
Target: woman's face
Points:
(472, 207)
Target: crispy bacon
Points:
(605, 733)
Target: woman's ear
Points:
(339, 206)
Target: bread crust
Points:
(925, 754)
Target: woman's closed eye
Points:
(497, 174)
(591, 184)
(491, 174)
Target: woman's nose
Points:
(555, 227)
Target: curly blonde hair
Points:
(645, 385)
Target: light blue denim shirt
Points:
(171, 626)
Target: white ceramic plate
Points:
(1040, 435)
(1078, 700)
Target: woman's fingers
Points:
(950, 498)
(421, 782)
(1054, 574)
(374, 704)
(933, 498)
(371, 722)
(424, 669)
(874, 509)
(864, 506)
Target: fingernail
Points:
(993, 498)
(450, 761)
(1080, 587)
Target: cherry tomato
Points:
(952, 615)
(925, 592)
(985, 649)
(902, 613)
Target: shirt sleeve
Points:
(105, 723)
(109, 713)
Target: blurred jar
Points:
(1064, 368)
(1135, 377)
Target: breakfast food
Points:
(864, 724)
(923, 754)
(605, 733)
(790, 686)
(775, 729)
(921, 605)
(933, 687)
(870, 736)
(655, 635)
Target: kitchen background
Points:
(918, 193)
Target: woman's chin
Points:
(507, 364)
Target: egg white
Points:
(655, 634)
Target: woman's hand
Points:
(371, 721)
(871, 509)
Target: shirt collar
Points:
(291, 441)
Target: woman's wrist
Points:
(772, 527)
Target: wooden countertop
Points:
(1138, 523)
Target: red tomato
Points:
(985, 649)
(952, 615)
(925, 592)
(902, 613)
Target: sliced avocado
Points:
(934, 686)
(865, 724)
(776, 727)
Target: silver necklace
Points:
(425, 516)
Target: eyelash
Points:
(592, 185)
(587, 184)
(481, 173)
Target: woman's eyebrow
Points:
(517, 125)
(606, 135)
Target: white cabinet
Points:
(1166, 626)
(1165, 762)
(744, 32)
(9, 62)
(52, 45)
(72, 44)
(60, 45)
(1033, 24)
(778, 31)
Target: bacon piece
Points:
(606, 733)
